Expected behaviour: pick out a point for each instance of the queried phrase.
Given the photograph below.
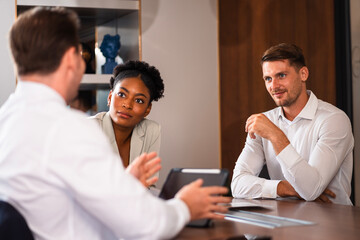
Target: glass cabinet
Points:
(103, 22)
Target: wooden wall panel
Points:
(246, 29)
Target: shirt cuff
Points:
(270, 188)
(178, 215)
(182, 208)
(288, 157)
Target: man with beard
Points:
(305, 142)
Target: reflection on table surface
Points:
(332, 221)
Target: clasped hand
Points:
(259, 124)
(285, 189)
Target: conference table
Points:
(330, 221)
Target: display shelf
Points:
(100, 17)
(103, 79)
(97, 4)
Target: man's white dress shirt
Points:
(319, 156)
(59, 170)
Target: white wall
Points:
(180, 38)
(7, 81)
(355, 41)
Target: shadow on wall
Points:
(152, 9)
(149, 16)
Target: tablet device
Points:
(178, 177)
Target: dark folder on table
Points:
(178, 177)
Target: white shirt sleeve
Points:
(98, 182)
(335, 143)
(245, 182)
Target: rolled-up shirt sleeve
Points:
(245, 182)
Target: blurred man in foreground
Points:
(58, 168)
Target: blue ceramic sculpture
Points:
(110, 47)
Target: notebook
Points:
(178, 177)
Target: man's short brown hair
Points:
(285, 51)
(40, 37)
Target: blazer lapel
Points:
(137, 142)
(109, 131)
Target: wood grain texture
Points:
(246, 29)
(332, 221)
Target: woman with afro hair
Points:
(134, 85)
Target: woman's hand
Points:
(144, 167)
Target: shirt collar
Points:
(308, 112)
(108, 127)
(38, 91)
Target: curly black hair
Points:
(148, 74)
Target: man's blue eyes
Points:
(281, 75)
